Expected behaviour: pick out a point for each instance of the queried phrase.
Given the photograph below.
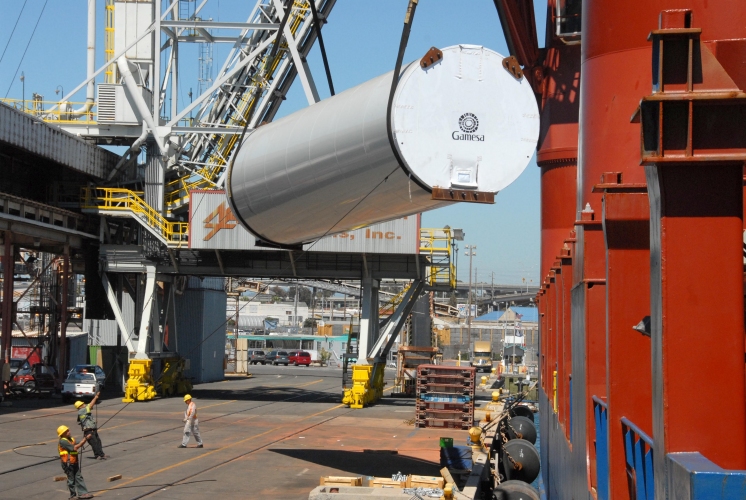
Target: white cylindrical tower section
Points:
(461, 123)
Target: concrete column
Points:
(368, 318)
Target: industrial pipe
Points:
(461, 123)
(90, 93)
(142, 106)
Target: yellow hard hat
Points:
(62, 429)
(78, 404)
(187, 397)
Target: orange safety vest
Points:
(68, 457)
(192, 407)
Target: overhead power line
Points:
(26, 49)
(14, 30)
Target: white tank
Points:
(462, 123)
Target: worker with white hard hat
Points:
(191, 426)
(68, 450)
(90, 429)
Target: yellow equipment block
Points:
(364, 391)
(173, 381)
(140, 385)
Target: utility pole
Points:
(295, 306)
(471, 251)
(23, 92)
(492, 292)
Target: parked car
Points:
(300, 358)
(24, 375)
(277, 357)
(256, 356)
(81, 384)
(95, 369)
(45, 378)
(37, 378)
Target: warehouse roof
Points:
(528, 314)
(492, 316)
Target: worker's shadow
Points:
(364, 464)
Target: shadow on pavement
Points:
(363, 464)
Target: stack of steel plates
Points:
(445, 396)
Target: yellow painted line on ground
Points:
(203, 455)
(55, 440)
(311, 383)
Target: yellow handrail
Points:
(125, 200)
(437, 244)
(62, 112)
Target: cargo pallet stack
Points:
(445, 396)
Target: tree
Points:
(278, 292)
(310, 323)
(304, 294)
(324, 356)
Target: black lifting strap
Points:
(408, 19)
(321, 45)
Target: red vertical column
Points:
(626, 219)
(559, 324)
(565, 287)
(541, 305)
(697, 279)
(552, 337)
(594, 318)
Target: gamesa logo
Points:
(468, 123)
(225, 220)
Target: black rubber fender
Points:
(521, 428)
(515, 490)
(526, 455)
(522, 411)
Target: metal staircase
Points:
(437, 243)
(118, 202)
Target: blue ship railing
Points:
(638, 453)
(601, 412)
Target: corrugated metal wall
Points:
(200, 320)
(396, 236)
(26, 132)
(197, 283)
(77, 350)
(214, 226)
(103, 332)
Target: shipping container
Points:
(201, 333)
(214, 226)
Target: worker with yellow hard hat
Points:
(68, 450)
(191, 424)
(90, 429)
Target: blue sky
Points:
(362, 39)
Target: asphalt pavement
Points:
(269, 436)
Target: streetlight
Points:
(471, 251)
(59, 90)
(191, 122)
(23, 86)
